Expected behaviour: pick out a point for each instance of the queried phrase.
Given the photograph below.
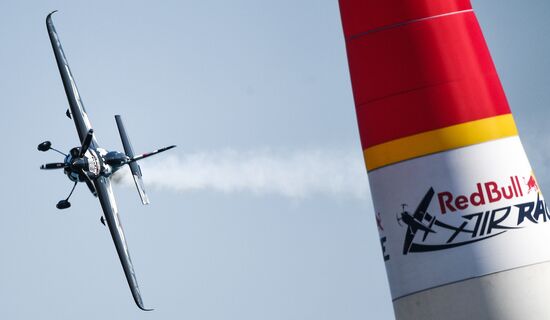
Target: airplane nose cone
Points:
(81, 163)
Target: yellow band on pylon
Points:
(460, 135)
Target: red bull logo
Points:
(428, 232)
(486, 193)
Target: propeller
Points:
(86, 143)
(76, 164)
(47, 145)
(55, 165)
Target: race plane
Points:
(95, 166)
(414, 222)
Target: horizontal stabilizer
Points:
(152, 153)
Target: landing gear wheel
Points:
(63, 204)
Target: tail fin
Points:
(134, 167)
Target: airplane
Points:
(95, 166)
(414, 222)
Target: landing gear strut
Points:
(64, 204)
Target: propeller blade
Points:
(56, 165)
(86, 143)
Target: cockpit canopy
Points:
(115, 158)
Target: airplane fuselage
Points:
(414, 224)
(94, 163)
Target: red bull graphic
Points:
(475, 227)
(456, 220)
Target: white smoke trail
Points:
(294, 175)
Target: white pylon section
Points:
(458, 216)
(520, 293)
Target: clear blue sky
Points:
(209, 76)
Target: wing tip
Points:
(49, 17)
(145, 309)
(167, 148)
(145, 199)
(140, 305)
(49, 22)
